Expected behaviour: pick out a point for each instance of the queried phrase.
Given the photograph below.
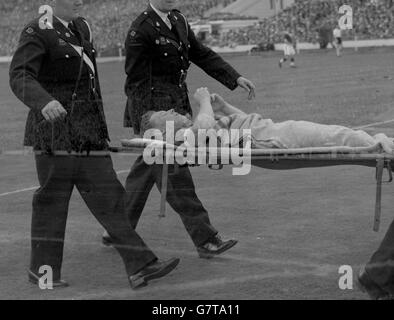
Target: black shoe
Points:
(214, 247)
(367, 285)
(34, 279)
(155, 270)
(107, 240)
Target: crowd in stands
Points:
(197, 9)
(14, 14)
(308, 19)
(110, 20)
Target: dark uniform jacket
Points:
(157, 59)
(45, 67)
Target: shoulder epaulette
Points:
(176, 11)
(83, 20)
(181, 14)
(140, 19)
(32, 27)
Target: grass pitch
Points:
(296, 228)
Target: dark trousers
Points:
(381, 266)
(104, 195)
(181, 196)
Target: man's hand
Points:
(53, 111)
(248, 86)
(202, 95)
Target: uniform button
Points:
(165, 54)
(182, 58)
(67, 56)
(93, 51)
(145, 12)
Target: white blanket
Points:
(266, 134)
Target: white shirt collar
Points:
(162, 15)
(65, 23)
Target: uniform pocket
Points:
(158, 92)
(168, 50)
(60, 53)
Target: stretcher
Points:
(274, 159)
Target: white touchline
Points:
(18, 191)
(373, 124)
(36, 187)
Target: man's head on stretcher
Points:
(213, 113)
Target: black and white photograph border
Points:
(224, 150)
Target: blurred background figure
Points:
(288, 51)
(337, 33)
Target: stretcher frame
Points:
(277, 159)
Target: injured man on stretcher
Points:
(213, 112)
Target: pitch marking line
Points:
(193, 285)
(375, 124)
(320, 268)
(36, 187)
(18, 191)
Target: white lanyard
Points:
(86, 59)
(79, 50)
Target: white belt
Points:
(78, 49)
(86, 59)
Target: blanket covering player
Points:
(264, 132)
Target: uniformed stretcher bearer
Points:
(160, 47)
(54, 73)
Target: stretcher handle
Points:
(164, 186)
(378, 204)
(215, 167)
(390, 171)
